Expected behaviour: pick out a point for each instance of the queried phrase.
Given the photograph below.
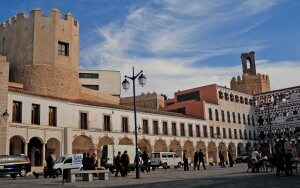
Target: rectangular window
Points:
(233, 117)
(93, 87)
(253, 124)
(63, 48)
(230, 133)
(250, 135)
(248, 119)
(155, 127)
(145, 127)
(107, 126)
(198, 131)
(244, 119)
(205, 131)
(239, 118)
(174, 130)
(228, 116)
(224, 133)
(235, 134)
(241, 134)
(190, 130)
(218, 132)
(217, 114)
(35, 114)
(89, 75)
(17, 112)
(182, 129)
(209, 114)
(223, 115)
(52, 116)
(125, 125)
(165, 128)
(83, 121)
(211, 130)
(245, 135)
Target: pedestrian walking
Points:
(117, 163)
(196, 159)
(50, 164)
(185, 161)
(201, 159)
(125, 163)
(221, 157)
(230, 158)
(145, 159)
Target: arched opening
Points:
(201, 146)
(125, 141)
(212, 152)
(241, 148)
(16, 145)
(160, 146)
(53, 145)
(83, 144)
(176, 147)
(190, 150)
(222, 148)
(35, 147)
(145, 145)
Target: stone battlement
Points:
(239, 79)
(55, 14)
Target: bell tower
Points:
(250, 82)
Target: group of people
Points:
(121, 163)
(198, 159)
(89, 162)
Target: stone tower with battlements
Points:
(43, 52)
(250, 82)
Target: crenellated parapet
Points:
(36, 14)
(43, 51)
(242, 79)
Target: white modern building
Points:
(104, 81)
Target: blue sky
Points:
(181, 44)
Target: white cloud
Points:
(172, 41)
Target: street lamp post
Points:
(125, 85)
(267, 103)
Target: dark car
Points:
(243, 157)
(14, 165)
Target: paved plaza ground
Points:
(212, 177)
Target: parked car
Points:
(14, 165)
(243, 157)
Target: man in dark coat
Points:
(201, 159)
(50, 164)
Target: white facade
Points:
(68, 137)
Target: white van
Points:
(71, 161)
(165, 159)
(109, 152)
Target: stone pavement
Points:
(212, 177)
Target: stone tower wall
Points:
(4, 71)
(251, 84)
(31, 46)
